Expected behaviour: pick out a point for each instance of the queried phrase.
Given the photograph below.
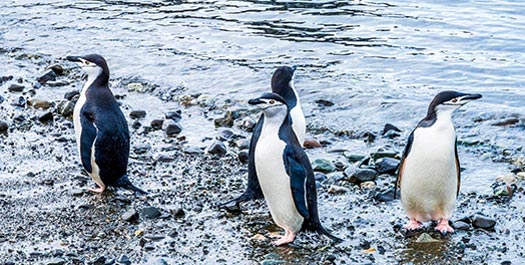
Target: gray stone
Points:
(15, 88)
(483, 222)
(242, 144)
(426, 238)
(248, 123)
(46, 116)
(56, 261)
(141, 149)
(124, 259)
(217, 148)
(176, 116)
(387, 165)
(151, 212)
(66, 108)
(49, 75)
(390, 128)
(137, 114)
(156, 124)
(323, 165)
(193, 150)
(71, 94)
(352, 158)
(363, 174)
(243, 156)
(57, 83)
(3, 126)
(171, 128)
(460, 225)
(131, 215)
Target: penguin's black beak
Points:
(255, 101)
(470, 97)
(74, 58)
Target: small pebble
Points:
(15, 88)
(131, 215)
(217, 148)
(137, 114)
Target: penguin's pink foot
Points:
(287, 238)
(443, 226)
(97, 190)
(413, 224)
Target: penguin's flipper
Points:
(408, 147)
(458, 168)
(298, 173)
(87, 138)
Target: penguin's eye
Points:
(86, 62)
(454, 100)
(271, 101)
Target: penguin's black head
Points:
(281, 78)
(93, 64)
(450, 100)
(270, 103)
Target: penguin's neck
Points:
(96, 78)
(272, 124)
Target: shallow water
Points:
(378, 62)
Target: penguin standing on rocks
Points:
(282, 84)
(101, 129)
(284, 172)
(429, 174)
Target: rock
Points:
(136, 125)
(58, 69)
(352, 158)
(137, 87)
(171, 128)
(193, 150)
(57, 83)
(56, 261)
(363, 174)
(369, 137)
(385, 196)
(217, 148)
(390, 128)
(178, 212)
(131, 215)
(71, 94)
(15, 88)
(324, 102)
(124, 259)
(227, 120)
(225, 135)
(248, 123)
(367, 185)
(141, 149)
(66, 108)
(381, 154)
(174, 115)
(459, 225)
(242, 144)
(311, 143)
(156, 124)
(5, 78)
(319, 176)
(483, 222)
(387, 165)
(18, 102)
(46, 116)
(159, 261)
(426, 238)
(323, 165)
(334, 189)
(150, 212)
(2, 99)
(39, 104)
(243, 156)
(164, 158)
(49, 75)
(99, 261)
(3, 126)
(507, 122)
(137, 114)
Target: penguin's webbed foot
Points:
(288, 237)
(444, 227)
(97, 190)
(413, 224)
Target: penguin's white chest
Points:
(275, 182)
(429, 178)
(298, 123)
(76, 118)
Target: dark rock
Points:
(243, 156)
(3, 126)
(225, 134)
(323, 165)
(310, 143)
(150, 212)
(217, 148)
(390, 128)
(2, 99)
(57, 83)
(99, 261)
(39, 104)
(227, 120)
(385, 196)
(171, 128)
(506, 122)
(352, 158)
(49, 75)
(46, 116)
(459, 225)
(141, 149)
(66, 108)
(136, 125)
(15, 88)
(242, 144)
(156, 124)
(178, 212)
(363, 174)
(248, 123)
(324, 102)
(164, 158)
(124, 259)
(71, 94)
(137, 114)
(369, 137)
(6, 78)
(387, 165)
(176, 116)
(131, 215)
(380, 154)
(483, 222)
(193, 150)
(319, 176)
(58, 69)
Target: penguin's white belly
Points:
(275, 182)
(298, 123)
(429, 179)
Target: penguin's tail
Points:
(123, 182)
(315, 226)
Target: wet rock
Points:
(163, 158)
(369, 137)
(46, 116)
(130, 216)
(39, 104)
(352, 158)
(242, 144)
(3, 126)
(381, 154)
(334, 189)
(124, 259)
(363, 174)
(324, 102)
(56, 261)
(193, 150)
(141, 149)
(137, 114)
(171, 128)
(227, 120)
(156, 124)
(391, 130)
(426, 238)
(243, 156)
(483, 222)
(66, 108)
(71, 94)
(57, 83)
(310, 143)
(225, 135)
(385, 196)
(217, 148)
(15, 88)
(58, 69)
(248, 123)
(77, 192)
(323, 165)
(459, 225)
(136, 125)
(174, 115)
(49, 75)
(150, 212)
(387, 165)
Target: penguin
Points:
(429, 174)
(100, 127)
(284, 171)
(281, 84)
